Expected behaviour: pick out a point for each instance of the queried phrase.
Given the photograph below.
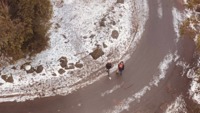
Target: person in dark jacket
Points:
(108, 67)
(121, 67)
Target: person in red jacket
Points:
(121, 67)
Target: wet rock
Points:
(98, 52)
(115, 34)
(78, 65)
(120, 1)
(39, 69)
(7, 78)
(63, 62)
(61, 71)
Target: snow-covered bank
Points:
(78, 27)
(178, 106)
(179, 17)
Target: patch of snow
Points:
(112, 90)
(178, 17)
(160, 10)
(124, 105)
(27, 67)
(178, 106)
(163, 66)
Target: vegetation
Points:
(23, 27)
(191, 26)
(191, 3)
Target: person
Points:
(108, 67)
(120, 67)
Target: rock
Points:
(92, 36)
(63, 62)
(7, 78)
(120, 1)
(39, 69)
(78, 65)
(27, 67)
(24, 65)
(113, 22)
(115, 34)
(70, 66)
(14, 68)
(104, 45)
(102, 22)
(31, 70)
(197, 8)
(97, 53)
(61, 71)
(54, 74)
(84, 37)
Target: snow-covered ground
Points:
(78, 28)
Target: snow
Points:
(163, 66)
(160, 10)
(116, 87)
(178, 106)
(75, 33)
(178, 17)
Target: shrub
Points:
(191, 3)
(186, 30)
(23, 27)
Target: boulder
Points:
(98, 52)
(63, 62)
(115, 34)
(7, 78)
(78, 65)
(61, 71)
(70, 66)
(120, 1)
(39, 69)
